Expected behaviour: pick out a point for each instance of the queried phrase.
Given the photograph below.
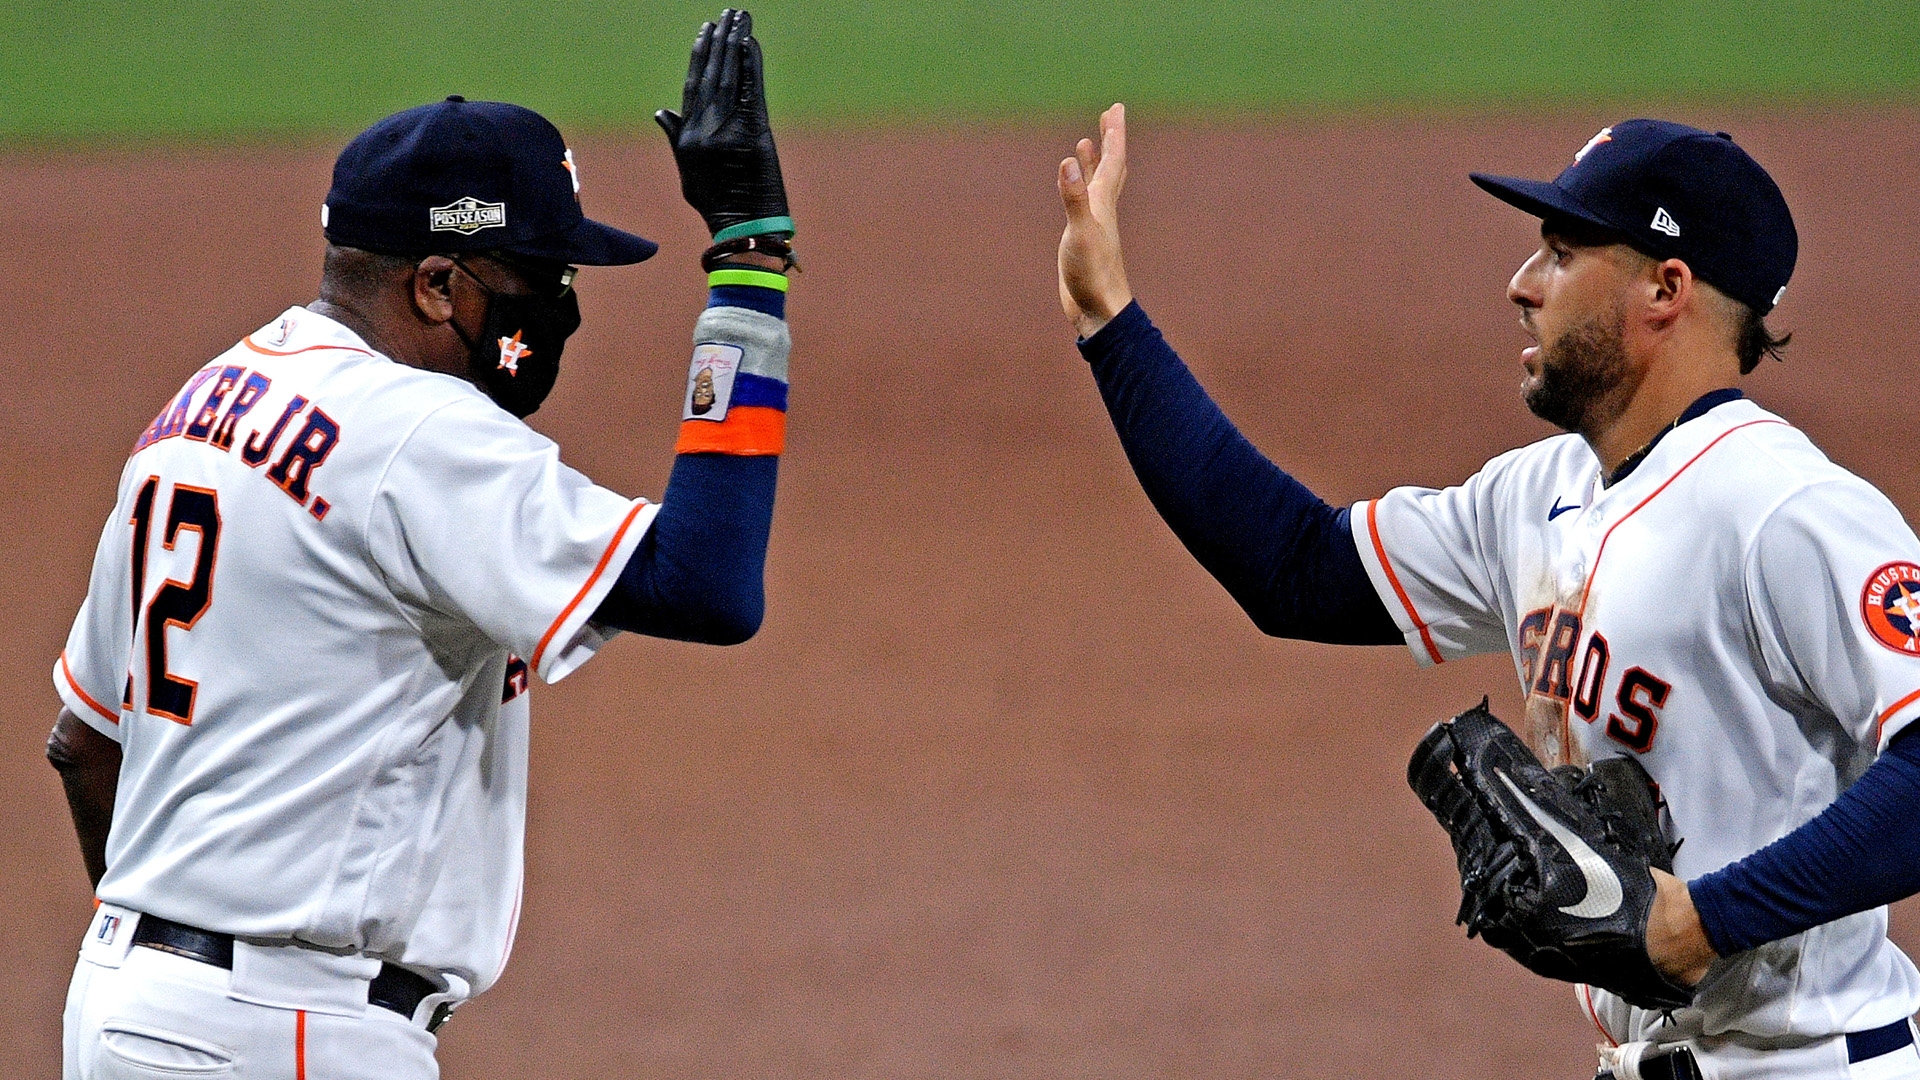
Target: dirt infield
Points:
(1007, 787)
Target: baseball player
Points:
(1682, 579)
(296, 696)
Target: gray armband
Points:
(729, 342)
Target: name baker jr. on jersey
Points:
(232, 391)
(329, 553)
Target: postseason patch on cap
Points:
(467, 216)
(710, 380)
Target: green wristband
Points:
(766, 279)
(756, 227)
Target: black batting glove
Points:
(722, 142)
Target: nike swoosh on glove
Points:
(1554, 865)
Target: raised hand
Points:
(722, 142)
(1093, 276)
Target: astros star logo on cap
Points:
(1605, 136)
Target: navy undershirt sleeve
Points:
(1857, 854)
(698, 573)
(1283, 554)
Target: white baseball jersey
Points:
(1738, 612)
(305, 628)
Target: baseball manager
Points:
(295, 728)
(1686, 585)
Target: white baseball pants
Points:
(136, 1013)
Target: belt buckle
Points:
(1682, 1065)
(1641, 1061)
(442, 1013)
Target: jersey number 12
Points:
(177, 603)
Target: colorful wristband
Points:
(714, 258)
(766, 279)
(782, 225)
(748, 431)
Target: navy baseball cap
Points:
(1675, 192)
(459, 176)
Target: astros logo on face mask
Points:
(512, 352)
(1890, 604)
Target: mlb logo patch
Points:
(710, 380)
(109, 926)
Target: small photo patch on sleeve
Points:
(710, 380)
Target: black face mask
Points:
(516, 358)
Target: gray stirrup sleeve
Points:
(762, 339)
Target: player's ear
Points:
(432, 289)
(1669, 289)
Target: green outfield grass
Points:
(221, 68)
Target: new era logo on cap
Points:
(1641, 179)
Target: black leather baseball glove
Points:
(1553, 864)
(722, 141)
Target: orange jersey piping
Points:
(112, 717)
(605, 557)
(1881, 726)
(1587, 590)
(1393, 579)
(1593, 1014)
(264, 351)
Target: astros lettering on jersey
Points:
(1738, 612)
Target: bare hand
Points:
(1676, 942)
(1093, 277)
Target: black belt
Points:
(395, 988)
(1675, 1064)
(1678, 1063)
(1867, 1045)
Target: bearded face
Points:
(1583, 374)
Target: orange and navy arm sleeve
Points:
(698, 574)
(1286, 556)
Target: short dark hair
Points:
(1753, 342)
(1756, 342)
(359, 271)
